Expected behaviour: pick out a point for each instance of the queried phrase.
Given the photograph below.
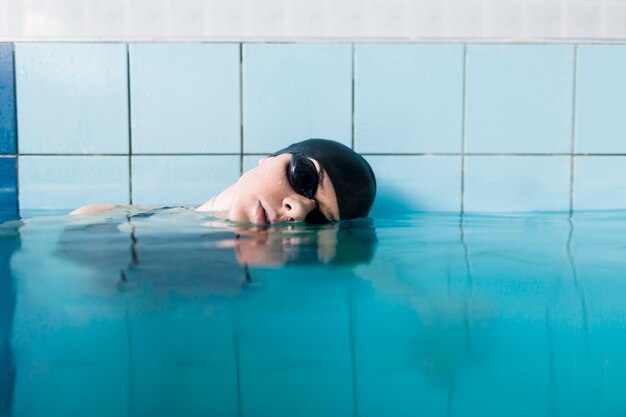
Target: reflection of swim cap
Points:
(351, 175)
(354, 243)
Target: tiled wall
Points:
(8, 138)
(167, 20)
(446, 127)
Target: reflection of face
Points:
(261, 249)
(264, 195)
(256, 246)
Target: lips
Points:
(260, 216)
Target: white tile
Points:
(504, 20)
(544, 20)
(4, 17)
(286, 19)
(464, 20)
(345, 19)
(66, 19)
(187, 19)
(105, 18)
(385, 19)
(29, 18)
(616, 19)
(584, 21)
(224, 18)
(264, 19)
(146, 18)
(424, 19)
(305, 18)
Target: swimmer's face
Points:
(263, 195)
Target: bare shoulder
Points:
(94, 208)
(99, 208)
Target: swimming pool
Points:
(419, 314)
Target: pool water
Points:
(175, 313)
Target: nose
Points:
(296, 207)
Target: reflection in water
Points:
(578, 286)
(138, 250)
(9, 242)
(170, 313)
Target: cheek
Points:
(282, 186)
(270, 187)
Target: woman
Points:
(316, 181)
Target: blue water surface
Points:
(176, 313)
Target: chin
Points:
(237, 215)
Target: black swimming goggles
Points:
(304, 179)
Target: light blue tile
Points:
(599, 183)
(181, 179)
(420, 183)
(601, 99)
(72, 98)
(185, 98)
(519, 98)
(517, 183)
(295, 92)
(250, 161)
(67, 182)
(408, 98)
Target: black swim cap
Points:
(351, 175)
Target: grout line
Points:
(488, 154)
(189, 154)
(134, 154)
(463, 138)
(353, 95)
(573, 149)
(424, 154)
(552, 154)
(130, 128)
(240, 109)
